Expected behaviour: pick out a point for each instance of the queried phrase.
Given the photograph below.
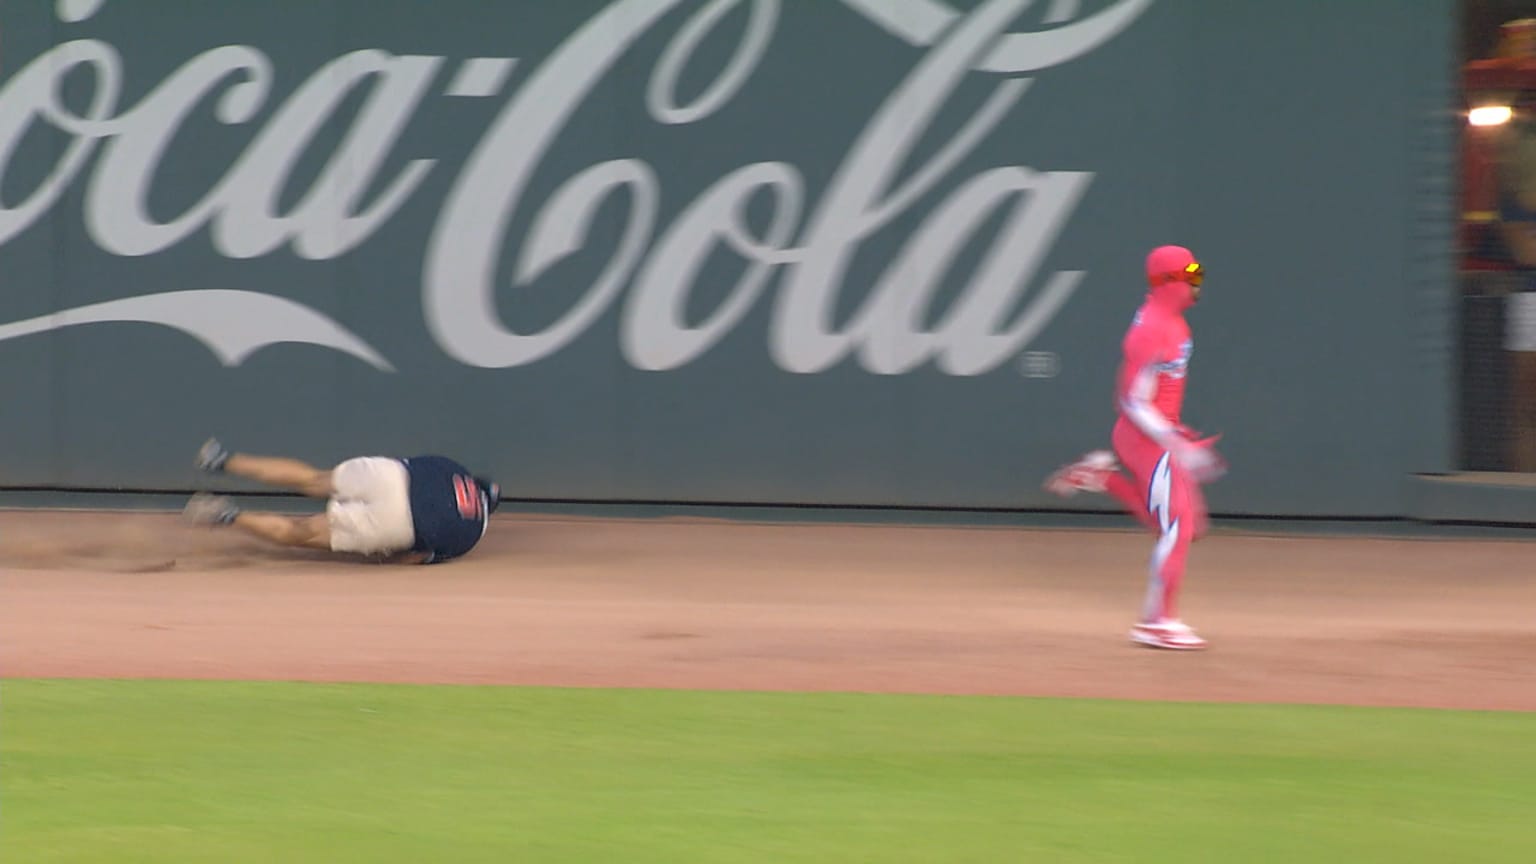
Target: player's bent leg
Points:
(214, 458)
(284, 473)
(305, 532)
(1128, 492)
(1099, 471)
(309, 532)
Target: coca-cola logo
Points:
(115, 151)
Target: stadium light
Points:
(1490, 115)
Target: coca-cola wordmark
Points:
(806, 245)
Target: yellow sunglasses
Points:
(1193, 273)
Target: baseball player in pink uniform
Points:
(1164, 462)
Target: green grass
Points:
(168, 772)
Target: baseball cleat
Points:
(1168, 633)
(206, 509)
(212, 456)
(1088, 474)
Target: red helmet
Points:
(1167, 264)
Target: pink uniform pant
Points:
(1165, 499)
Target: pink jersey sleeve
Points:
(1146, 347)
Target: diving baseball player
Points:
(420, 510)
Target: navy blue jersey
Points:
(448, 508)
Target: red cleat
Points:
(1087, 474)
(1168, 633)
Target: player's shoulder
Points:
(1144, 326)
(1152, 333)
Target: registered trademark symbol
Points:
(1040, 364)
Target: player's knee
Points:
(299, 531)
(320, 485)
(316, 532)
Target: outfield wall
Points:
(851, 252)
